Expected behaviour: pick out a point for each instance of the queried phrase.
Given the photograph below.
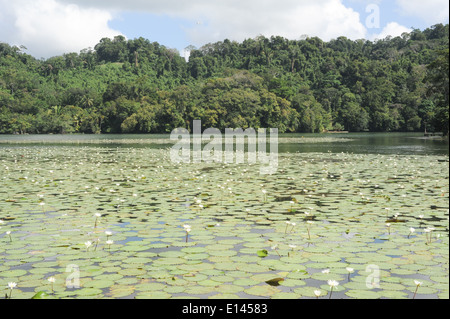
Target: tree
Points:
(438, 78)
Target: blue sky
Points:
(161, 28)
(54, 27)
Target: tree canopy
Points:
(308, 85)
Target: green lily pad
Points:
(42, 295)
(264, 291)
(262, 253)
(363, 294)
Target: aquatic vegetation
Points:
(11, 286)
(51, 280)
(332, 284)
(9, 234)
(418, 284)
(163, 244)
(317, 293)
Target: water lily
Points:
(293, 225)
(388, 225)
(411, 231)
(274, 247)
(350, 271)
(11, 286)
(88, 244)
(187, 229)
(109, 243)
(287, 225)
(9, 234)
(332, 284)
(292, 246)
(265, 195)
(52, 281)
(317, 293)
(428, 234)
(418, 284)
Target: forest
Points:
(396, 84)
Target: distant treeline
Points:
(308, 85)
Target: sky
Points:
(53, 27)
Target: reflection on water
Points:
(358, 143)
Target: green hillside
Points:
(308, 85)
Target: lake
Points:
(110, 216)
(368, 143)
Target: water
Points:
(373, 143)
(358, 143)
(78, 175)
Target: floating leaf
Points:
(262, 253)
(363, 294)
(275, 281)
(264, 291)
(42, 295)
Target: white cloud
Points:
(240, 19)
(392, 29)
(52, 27)
(326, 19)
(47, 27)
(430, 11)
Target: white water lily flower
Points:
(317, 293)
(333, 283)
(51, 279)
(350, 270)
(12, 285)
(418, 283)
(88, 244)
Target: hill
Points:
(308, 85)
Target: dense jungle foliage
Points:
(307, 85)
